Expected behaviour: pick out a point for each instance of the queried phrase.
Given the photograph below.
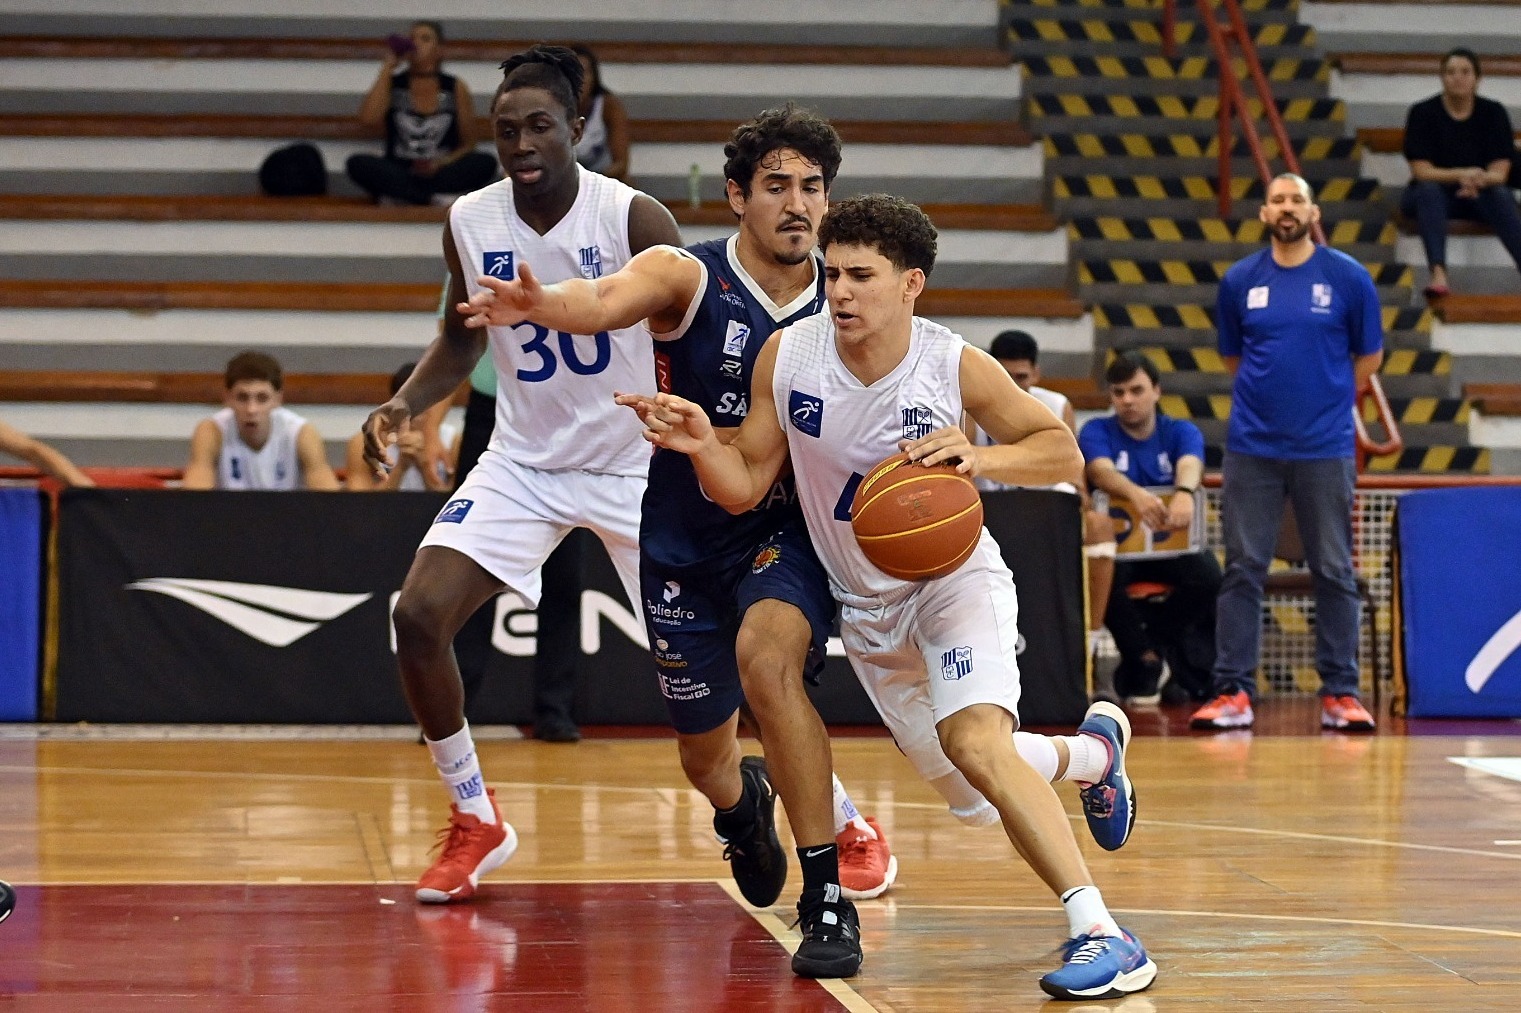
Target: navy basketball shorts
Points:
(693, 615)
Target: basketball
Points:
(916, 522)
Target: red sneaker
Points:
(1345, 714)
(470, 849)
(867, 865)
(1228, 710)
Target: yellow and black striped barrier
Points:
(1191, 272)
(1147, 31)
(1215, 230)
(1159, 68)
(1177, 107)
(1309, 150)
(1199, 188)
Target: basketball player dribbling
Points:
(738, 607)
(562, 455)
(837, 393)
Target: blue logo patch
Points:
(454, 511)
(956, 663)
(807, 413)
(917, 422)
(498, 264)
(591, 263)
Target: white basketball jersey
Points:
(274, 466)
(412, 481)
(837, 429)
(554, 402)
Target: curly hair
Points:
(895, 228)
(786, 127)
(552, 68)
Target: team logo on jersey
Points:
(917, 422)
(724, 293)
(735, 338)
(280, 471)
(1256, 298)
(956, 663)
(591, 263)
(732, 368)
(1320, 296)
(273, 615)
(672, 590)
(498, 264)
(807, 413)
(235, 465)
(454, 511)
(764, 558)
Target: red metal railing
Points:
(1233, 104)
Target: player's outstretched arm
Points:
(1034, 446)
(660, 282)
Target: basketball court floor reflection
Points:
(1301, 872)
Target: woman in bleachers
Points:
(1460, 146)
(430, 126)
(604, 137)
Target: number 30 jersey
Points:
(554, 402)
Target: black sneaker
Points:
(757, 860)
(831, 946)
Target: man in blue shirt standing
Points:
(1299, 327)
(1136, 449)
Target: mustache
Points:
(794, 220)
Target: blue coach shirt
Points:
(1145, 462)
(1296, 330)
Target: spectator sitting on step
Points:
(39, 455)
(1137, 448)
(1460, 148)
(430, 126)
(603, 146)
(409, 471)
(255, 442)
(1019, 355)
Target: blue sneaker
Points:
(1100, 967)
(1109, 804)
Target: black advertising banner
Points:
(275, 607)
(1041, 535)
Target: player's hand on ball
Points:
(502, 303)
(944, 446)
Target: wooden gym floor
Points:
(1284, 870)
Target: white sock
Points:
(846, 814)
(1039, 751)
(457, 765)
(1086, 913)
(1088, 758)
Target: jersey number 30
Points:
(539, 345)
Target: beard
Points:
(1291, 231)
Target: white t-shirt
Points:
(837, 429)
(1052, 399)
(554, 403)
(276, 465)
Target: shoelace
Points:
(451, 838)
(856, 846)
(1098, 800)
(1085, 949)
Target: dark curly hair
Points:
(253, 366)
(786, 127)
(895, 228)
(552, 68)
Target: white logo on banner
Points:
(1493, 654)
(277, 616)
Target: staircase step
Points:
(1256, 11)
(1180, 324)
(1134, 154)
(1441, 460)
(1112, 237)
(1121, 37)
(1156, 75)
(1053, 112)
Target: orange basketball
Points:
(915, 522)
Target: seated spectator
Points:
(604, 137)
(1135, 448)
(41, 456)
(408, 456)
(255, 442)
(1460, 147)
(430, 126)
(1019, 355)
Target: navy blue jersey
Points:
(709, 361)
